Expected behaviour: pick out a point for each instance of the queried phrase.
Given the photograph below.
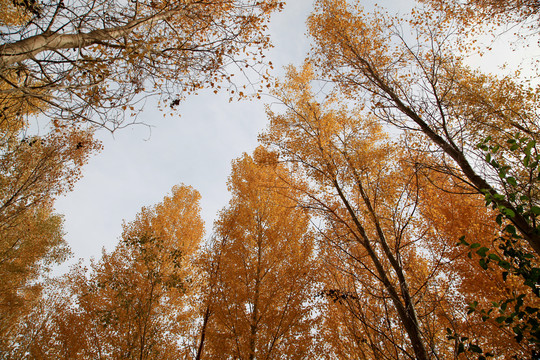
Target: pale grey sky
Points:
(138, 168)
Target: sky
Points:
(139, 165)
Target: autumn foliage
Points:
(132, 303)
(263, 294)
(390, 212)
(94, 62)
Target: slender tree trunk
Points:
(146, 314)
(203, 332)
(255, 313)
(528, 231)
(406, 310)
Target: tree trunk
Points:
(203, 332)
(406, 310)
(529, 233)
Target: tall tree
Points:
(467, 120)
(365, 202)
(29, 248)
(33, 172)
(93, 61)
(448, 214)
(389, 287)
(262, 306)
(132, 304)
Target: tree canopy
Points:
(391, 210)
(93, 62)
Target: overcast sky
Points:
(138, 168)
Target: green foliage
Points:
(464, 344)
(519, 179)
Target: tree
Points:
(444, 107)
(38, 169)
(470, 12)
(33, 172)
(481, 129)
(450, 214)
(391, 286)
(30, 247)
(93, 62)
(14, 13)
(132, 305)
(262, 304)
(366, 205)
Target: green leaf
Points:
(482, 251)
(510, 229)
(526, 160)
(483, 264)
(519, 301)
(475, 245)
(494, 257)
(511, 180)
(530, 145)
(508, 212)
(535, 210)
(475, 348)
(500, 319)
